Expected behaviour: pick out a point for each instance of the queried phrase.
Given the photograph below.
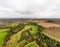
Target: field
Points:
(29, 34)
(53, 32)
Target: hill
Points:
(27, 34)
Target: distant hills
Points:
(30, 18)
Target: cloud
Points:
(29, 8)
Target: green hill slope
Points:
(26, 35)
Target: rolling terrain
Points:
(29, 34)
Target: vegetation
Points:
(3, 33)
(25, 35)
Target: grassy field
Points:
(28, 34)
(3, 33)
(32, 44)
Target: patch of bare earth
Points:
(54, 31)
(47, 25)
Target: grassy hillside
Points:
(3, 33)
(25, 35)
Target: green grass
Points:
(3, 33)
(34, 30)
(28, 36)
(32, 44)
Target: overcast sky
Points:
(29, 8)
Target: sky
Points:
(29, 8)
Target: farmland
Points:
(28, 34)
